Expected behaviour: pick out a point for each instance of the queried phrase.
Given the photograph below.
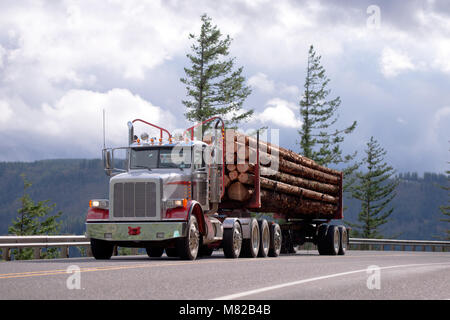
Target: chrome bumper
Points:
(135, 231)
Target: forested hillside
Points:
(71, 183)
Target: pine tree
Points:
(375, 189)
(445, 209)
(214, 87)
(318, 139)
(34, 219)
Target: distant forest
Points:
(71, 183)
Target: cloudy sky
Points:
(63, 62)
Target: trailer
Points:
(175, 196)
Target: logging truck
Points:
(186, 197)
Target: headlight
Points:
(175, 203)
(99, 203)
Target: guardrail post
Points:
(115, 252)
(6, 254)
(424, 247)
(433, 248)
(414, 248)
(89, 251)
(36, 253)
(134, 251)
(64, 253)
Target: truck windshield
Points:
(152, 158)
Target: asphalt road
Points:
(305, 275)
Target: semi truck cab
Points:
(167, 200)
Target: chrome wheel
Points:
(188, 246)
(276, 240)
(264, 245)
(232, 241)
(237, 240)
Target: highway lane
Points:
(305, 275)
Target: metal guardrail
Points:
(380, 244)
(64, 242)
(39, 242)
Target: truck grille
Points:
(134, 200)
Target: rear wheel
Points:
(154, 252)
(322, 246)
(250, 247)
(264, 235)
(343, 240)
(329, 240)
(171, 252)
(188, 246)
(101, 249)
(275, 240)
(232, 241)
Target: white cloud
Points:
(394, 62)
(74, 122)
(279, 112)
(5, 112)
(261, 82)
(2, 56)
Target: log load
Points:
(290, 184)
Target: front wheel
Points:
(101, 249)
(188, 246)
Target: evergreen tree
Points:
(319, 139)
(445, 209)
(214, 87)
(34, 219)
(375, 189)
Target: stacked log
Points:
(290, 184)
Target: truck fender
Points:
(196, 210)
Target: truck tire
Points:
(343, 240)
(287, 246)
(264, 236)
(332, 240)
(171, 252)
(187, 247)
(101, 249)
(275, 240)
(322, 246)
(232, 241)
(154, 252)
(250, 247)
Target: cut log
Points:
(293, 206)
(231, 167)
(249, 179)
(237, 191)
(297, 181)
(284, 153)
(242, 167)
(233, 175)
(288, 167)
(226, 181)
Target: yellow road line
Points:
(137, 266)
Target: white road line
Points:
(294, 283)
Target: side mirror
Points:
(107, 161)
